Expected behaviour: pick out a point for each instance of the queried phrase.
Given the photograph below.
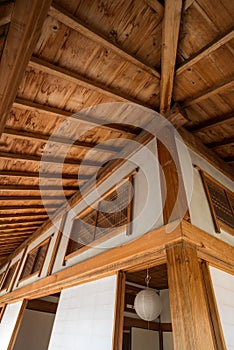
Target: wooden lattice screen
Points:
(98, 223)
(221, 202)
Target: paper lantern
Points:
(148, 304)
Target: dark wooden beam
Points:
(24, 30)
(31, 198)
(214, 90)
(212, 123)
(42, 306)
(64, 176)
(7, 187)
(221, 40)
(20, 215)
(29, 206)
(76, 24)
(6, 13)
(171, 28)
(221, 144)
(18, 221)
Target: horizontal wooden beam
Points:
(63, 73)
(47, 159)
(42, 306)
(26, 135)
(22, 224)
(7, 187)
(26, 215)
(19, 229)
(76, 24)
(221, 40)
(212, 123)
(6, 13)
(64, 176)
(221, 144)
(29, 206)
(24, 30)
(53, 111)
(156, 6)
(32, 198)
(22, 221)
(214, 90)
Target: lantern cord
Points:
(148, 278)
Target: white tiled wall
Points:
(224, 291)
(85, 317)
(8, 323)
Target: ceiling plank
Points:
(171, 28)
(207, 50)
(29, 206)
(6, 13)
(63, 73)
(37, 107)
(214, 90)
(27, 135)
(48, 159)
(31, 198)
(74, 23)
(64, 176)
(60, 187)
(25, 26)
(221, 144)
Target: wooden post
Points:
(189, 313)
(119, 311)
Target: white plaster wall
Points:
(165, 317)
(144, 339)
(147, 210)
(8, 323)
(223, 284)
(35, 331)
(85, 317)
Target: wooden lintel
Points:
(171, 28)
(63, 16)
(25, 26)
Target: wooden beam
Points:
(21, 221)
(42, 306)
(76, 24)
(53, 111)
(9, 224)
(221, 40)
(171, 28)
(156, 6)
(31, 214)
(212, 123)
(6, 13)
(64, 176)
(197, 146)
(214, 90)
(189, 314)
(119, 311)
(26, 135)
(177, 116)
(47, 159)
(7, 187)
(63, 73)
(130, 322)
(24, 30)
(31, 198)
(19, 229)
(29, 206)
(221, 144)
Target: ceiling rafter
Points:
(214, 90)
(6, 13)
(171, 28)
(33, 214)
(27, 206)
(220, 144)
(28, 135)
(37, 107)
(31, 198)
(156, 6)
(221, 40)
(76, 24)
(213, 123)
(22, 221)
(8, 187)
(64, 176)
(24, 30)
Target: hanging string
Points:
(148, 278)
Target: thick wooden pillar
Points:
(189, 313)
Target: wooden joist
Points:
(22, 221)
(25, 26)
(26, 215)
(29, 174)
(213, 123)
(156, 6)
(72, 22)
(171, 28)
(7, 187)
(27, 206)
(207, 50)
(214, 90)
(6, 13)
(220, 144)
(31, 198)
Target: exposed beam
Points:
(18, 229)
(22, 221)
(221, 144)
(24, 30)
(31, 214)
(5, 13)
(171, 28)
(42, 306)
(31, 198)
(26, 135)
(229, 159)
(212, 123)
(197, 146)
(21, 207)
(214, 90)
(78, 79)
(177, 116)
(76, 24)
(47, 159)
(221, 40)
(156, 6)
(64, 176)
(53, 111)
(7, 187)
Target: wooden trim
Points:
(42, 306)
(25, 26)
(34, 274)
(2, 311)
(130, 207)
(212, 308)
(221, 40)
(56, 245)
(119, 311)
(171, 28)
(17, 325)
(72, 22)
(18, 268)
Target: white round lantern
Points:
(148, 304)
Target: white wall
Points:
(7, 324)
(35, 331)
(85, 317)
(224, 291)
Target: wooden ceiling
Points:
(60, 57)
